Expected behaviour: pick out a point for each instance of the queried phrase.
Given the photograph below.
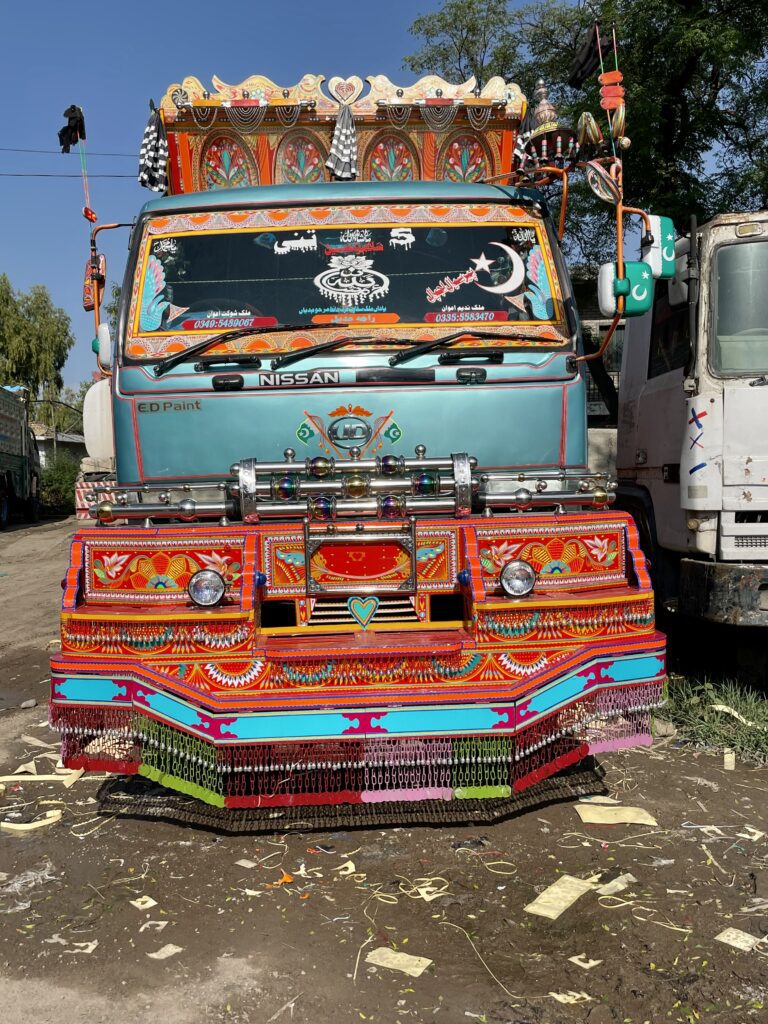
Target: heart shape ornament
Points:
(345, 90)
(362, 609)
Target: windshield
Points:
(740, 342)
(198, 282)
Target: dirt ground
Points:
(284, 936)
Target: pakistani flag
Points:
(636, 287)
(660, 255)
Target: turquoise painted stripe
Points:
(93, 690)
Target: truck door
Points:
(652, 416)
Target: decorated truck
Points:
(353, 552)
(693, 432)
(19, 458)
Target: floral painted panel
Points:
(299, 161)
(128, 573)
(561, 558)
(392, 159)
(465, 159)
(226, 164)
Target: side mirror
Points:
(93, 281)
(104, 346)
(659, 253)
(636, 286)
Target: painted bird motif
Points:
(153, 305)
(538, 292)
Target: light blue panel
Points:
(295, 726)
(441, 720)
(90, 690)
(170, 707)
(636, 668)
(202, 434)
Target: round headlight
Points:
(206, 588)
(517, 578)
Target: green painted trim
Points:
(171, 782)
(482, 792)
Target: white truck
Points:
(19, 459)
(692, 452)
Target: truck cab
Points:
(353, 551)
(692, 456)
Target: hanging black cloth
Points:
(153, 155)
(74, 130)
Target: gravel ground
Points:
(284, 935)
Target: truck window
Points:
(670, 336)
(198, 282)
(740, 341)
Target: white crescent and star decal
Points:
(516, 277)
(639, 296)
(666, 254)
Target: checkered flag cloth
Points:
(524, 133)
(153, 155)
(342, 160)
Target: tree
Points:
(696, 75)
(35, 338)
(465, 38)
(62, 410)
(111, 309)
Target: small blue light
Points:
(260, 579)
(464, 577)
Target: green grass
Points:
(689, 707)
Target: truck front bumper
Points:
(734, 593)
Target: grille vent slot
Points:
(333, 611)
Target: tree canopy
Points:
(35, 338)
(696, 76)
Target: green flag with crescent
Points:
(636, 287)
(660, 254)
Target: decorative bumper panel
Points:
(129, 721)
(404, 674)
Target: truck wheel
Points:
(5, 511)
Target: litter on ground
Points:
(383, 956)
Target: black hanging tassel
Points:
(587, 60)
(74, 130)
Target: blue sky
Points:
(110, 58)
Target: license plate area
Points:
(358, 560)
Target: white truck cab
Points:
(692, 452)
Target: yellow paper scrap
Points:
(738, 939)
(34, 741)
(72, 776)
(559, 896)
(153, 926)
(572, 997)
(617, 885)
(165, 952)
(593, 814)
(413, 966)
(18, 828)
(582, 960)
(143, 903)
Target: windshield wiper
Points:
(430, 346)
(327, 346)
(181, 357)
